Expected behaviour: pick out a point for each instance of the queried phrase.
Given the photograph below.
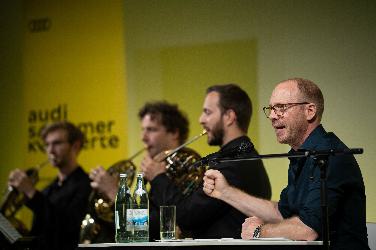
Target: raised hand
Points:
(20, 181)
(152, 167)
(215, 184)
(103, 182)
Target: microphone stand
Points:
(320, 158)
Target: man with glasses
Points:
(295, 110)
(59, 209)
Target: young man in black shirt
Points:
(59, 209)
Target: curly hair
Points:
(173, 119)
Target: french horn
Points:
(181, 168)
(13, 200)
(98, 224)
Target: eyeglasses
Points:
(280, 109)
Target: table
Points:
(212, 244)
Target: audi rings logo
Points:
(39, 25)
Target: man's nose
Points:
(201, 119)
(144, 137)
(49, 148)
(273, 115)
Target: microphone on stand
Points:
(244, 147)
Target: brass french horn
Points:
(180, 166)
(13, 200)
(98, 224)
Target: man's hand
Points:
(20, 181)
(151, 168)
(104, 183)
(249, 226)
(215, 184)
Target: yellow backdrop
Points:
(74, 69)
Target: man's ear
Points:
(311, 111)
(77, 145)
(229, 117)
(175, 134)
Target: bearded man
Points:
(226, 116)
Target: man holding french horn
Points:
(226, 116)
(164, 129)
(58, 209)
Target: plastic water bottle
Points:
(123, 212)
(141, 211)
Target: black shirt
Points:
(346, 193)
(208, 217)
(59, 210)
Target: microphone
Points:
(244, 147)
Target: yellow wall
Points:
(74, 69)
(11, 101)
(328, 42)
(182, 74)
(77, 70)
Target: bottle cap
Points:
(123, 175)
(140, 174)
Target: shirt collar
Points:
(75, 172)
(313, 140)
(235, 143)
